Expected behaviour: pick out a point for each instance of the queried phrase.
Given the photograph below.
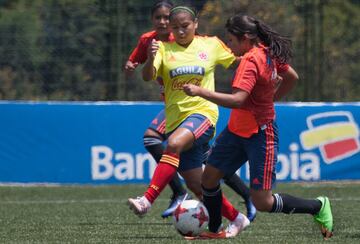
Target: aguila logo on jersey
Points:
(187, 70)
(335, 133)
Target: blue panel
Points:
(101, 143)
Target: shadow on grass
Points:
(355, 236)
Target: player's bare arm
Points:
(148, 71)
(286, 84)
(234, 100)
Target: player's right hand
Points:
(152, 49)
(130, 67)
(192, 90)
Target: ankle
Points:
(146, 201)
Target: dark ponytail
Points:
(279, 46)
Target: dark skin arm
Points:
(148, 71)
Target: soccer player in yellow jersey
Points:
(190, 121)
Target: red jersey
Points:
(139, 54)
(257, 75)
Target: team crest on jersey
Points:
(203, 56)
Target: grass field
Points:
(98, 214)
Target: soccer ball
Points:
(190, 218)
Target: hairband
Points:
(183, 8)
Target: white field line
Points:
(100, 201)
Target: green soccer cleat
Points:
(324, 218)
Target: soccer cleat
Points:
(174, 203)
(251, 210)
(236, 226)
(140, 206)
(208, 235)
(324, 218)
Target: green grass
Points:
(98, 214)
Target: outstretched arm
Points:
(130, 68)
(234, 100)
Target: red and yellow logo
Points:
(336, 134)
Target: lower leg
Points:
(212, 195)
(164, 172)
(288, 204)
(235, 183)
(213, 202)
(176, 186)
(228, 210)
(153, 145)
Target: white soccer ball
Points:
(191, 218)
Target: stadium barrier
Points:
(101, 142)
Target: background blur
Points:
(74, 50)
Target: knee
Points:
(195, 187)
(174, 146)
(208, 182)
(262, 205)
(211, 177)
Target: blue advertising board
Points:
(101, 142)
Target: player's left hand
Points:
(191, 89)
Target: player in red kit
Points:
(251, 134)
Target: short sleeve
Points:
(245, 75)
(224, 55)
(139, 54)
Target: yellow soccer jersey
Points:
(194, 64)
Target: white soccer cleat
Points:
(236, 226)
(140, 206)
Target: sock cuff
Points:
(211, 192)
(278, 204)
(172, 154)
(170, 158)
